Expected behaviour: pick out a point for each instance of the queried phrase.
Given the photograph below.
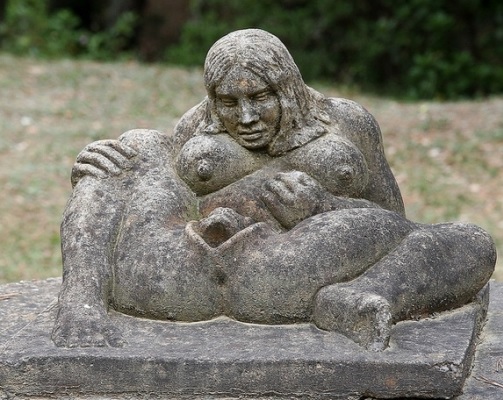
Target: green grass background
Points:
(447, 157)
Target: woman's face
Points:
(248, 108)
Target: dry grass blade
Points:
(8, 296)
(488, 381)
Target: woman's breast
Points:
(207, 163)
(334, 162)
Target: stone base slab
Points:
(223, 358)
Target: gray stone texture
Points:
(223, 358)
(261, 249)
(269, 204)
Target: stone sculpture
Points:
(270, 204)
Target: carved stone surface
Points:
(261, 249)
(226, 359)
(270, 204)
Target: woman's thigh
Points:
(164, 273)
(160, 271)
(274, 279)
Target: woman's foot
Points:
(362, 316)
(84, 325)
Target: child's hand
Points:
(221, 225)
(292, 197)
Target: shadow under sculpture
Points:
(270, 204)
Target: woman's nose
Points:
(247, 113)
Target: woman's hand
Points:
(292, 197)
(102, 159)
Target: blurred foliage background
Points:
(416, 49)
(72, 72)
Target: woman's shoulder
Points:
(353, 121)
(349, 114)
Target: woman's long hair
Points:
(302, 115)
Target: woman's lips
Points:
(250, 135)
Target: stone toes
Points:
(90, 336)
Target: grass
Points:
(446, 156)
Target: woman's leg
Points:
(273, 278)
(90, 223)
(96, 216)
(435, 268)
(162, 269)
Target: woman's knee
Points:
(147, 142)
(480, 241)
(470, 246)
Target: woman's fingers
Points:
(290, 187)
(81, 170)
(125, 150)
(113, 150)
(102, 159)
(279, 191)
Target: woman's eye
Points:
(262, 96)
(228, 102)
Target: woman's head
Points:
(256, 50)
(256, 53)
